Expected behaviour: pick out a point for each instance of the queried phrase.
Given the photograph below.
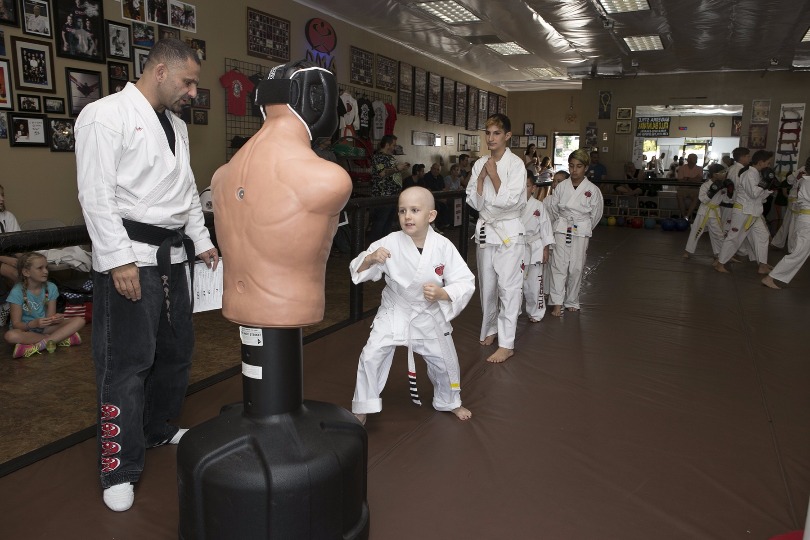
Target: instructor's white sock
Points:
(119, 497)
(178, 436)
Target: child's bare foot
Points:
(768, 282)
(764, 268)
(501, 355)
(362, 417)
(489, 340)
(685, 254)
(572, 309)
(462, 413)
(532, 319)
(720, 267)
(557, 311)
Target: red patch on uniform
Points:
(108, 412)
(735, 229)
(109, 448)
(587, 193)
(108, 431)
(440, 270)
(109, 464)
(536, 213)
(522, 267)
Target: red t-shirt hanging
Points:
(391, 121)
(239, 88)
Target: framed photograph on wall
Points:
(33, 65)
(3, 125)
(29, 103)
(166, 32)
(2, 42)
(119, 40)
(405, 89)
(157, 11)
(6, 98)
(528, 128)
(202, 100)
(386, 74)
(143, 35)
(183, 16)
(199, 117)
(54, 105)
(448, 101)
(542, 141)
(361, 67)
(8, 15)
(134, 10)
(60, 134)
(760, 112)
(624, 113)
(434, 98)
(87, 23)
(199, 47)
(140, 56)
(472, 108)
(624, 126)
(37, 18)
(268, 36)
(118, 71)
(461, 105)
(27, 129)
(83, 87)
(419, 92)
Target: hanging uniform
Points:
(539, 234)
(499, 234)
(365, 117)
(746, 219)
(575, 211)
(378, 120)
(406, 318)
(349, 122)
(708, 218)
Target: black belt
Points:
(164, 239)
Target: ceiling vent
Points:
(483, 40)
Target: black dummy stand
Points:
(274, 466)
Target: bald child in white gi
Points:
(427, 284)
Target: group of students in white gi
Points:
(428, 283)
(731, 211)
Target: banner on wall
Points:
(653, 126)
(789, 138)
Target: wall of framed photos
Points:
(76, 71)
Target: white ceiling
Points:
(578, 35)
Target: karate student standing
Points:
(497, 190)
(427, 284)
(791, 263)
(576, 206)
(539, 236)
(711, 194)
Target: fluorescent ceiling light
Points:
(644, 43)
(507, 49)
(545, 73)
(448, 11)
(624, 6)
(806, 36)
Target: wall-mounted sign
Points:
(653, 126)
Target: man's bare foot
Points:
(768, 282)
(685, 254)
(489, 340)
(720, 267)
(572, 309)
(557, 311)
(764, 268)
(362, 417)
(462, 413)
(501, 355)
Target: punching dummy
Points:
(277, 203)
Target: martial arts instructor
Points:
(142, 210)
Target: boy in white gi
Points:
(791, 263)
(576, 207)
(746, 216)
(786, 236)
(711, 194)
(427, 284)
(539, 236)
(497, 190)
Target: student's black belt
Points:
(164, 239)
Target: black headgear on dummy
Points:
(309, 91)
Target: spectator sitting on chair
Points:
(453, 180)
(630, 173)
(434, 182)
(417, 172)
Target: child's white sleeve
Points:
(373, 273)
(460, 285)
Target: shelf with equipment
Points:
(664, 205)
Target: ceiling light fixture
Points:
(545, 73)
(449, 11)
(806, 37)
(507, 49)
(624, 6)
(644, 43)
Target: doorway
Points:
(564, 144)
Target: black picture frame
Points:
(202, 100)
(79, 29)
(198, 45)
(166, 32)
(29, 103)
(119, 71)
(143, 35)
(35, 24)
(405, 89)
(386, 75)
(6, 101)
(53, 105)
(268, 36)
(434, 97)
(118, 39)
(33, 79)
(361, 67)
(114, 85)
(61, 134)
(9, 15)
(83, 87)
(200, 117)
(157, 11)
(528, 128)
(27, 129)
(139, 57)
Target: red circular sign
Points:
(321, 36)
